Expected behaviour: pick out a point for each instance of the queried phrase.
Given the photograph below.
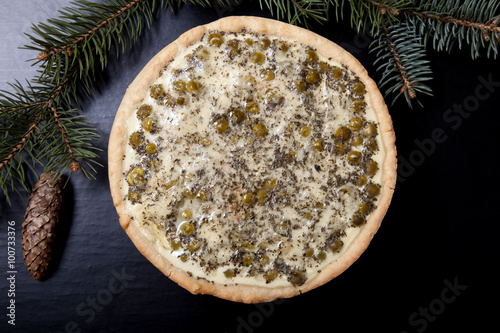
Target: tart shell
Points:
(132, 98)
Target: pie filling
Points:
(252, 160)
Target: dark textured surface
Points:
(430, 268)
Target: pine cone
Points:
(39, 225)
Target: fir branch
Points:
(444, 23)
(74, 165)
(435, 23)
(370, 16)
(21, 143)
(68, 47)
(39, 123)
(402, 56)
(68, 143)
(407, 85)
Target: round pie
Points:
(252, 160)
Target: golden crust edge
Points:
(247, 293)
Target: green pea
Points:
(358, 88)
(312, 76)
(260, 130)
(267, 75)
(147, 124)
(300, 84)
(370, 130)
(193, 87)
(336, 72)
(355, 123)
(318, 145)
(371, 168)
(252, 107)
(264, 43)
(357, 105)
(311, 56)
(298, 278)
(179, 86)
(215, 39)
(136, 177)
(373, 189)
(229, 273)
(358, 220)
(354, 157)
(221, 125)
(187, 228)
(270, 183)
(271, 275)
(135, 139)
(257, 58)
(150, 148)
(194, 245)
(343, 133)
(336, 245)
(186, 214)
(237, 116)
(249, 198)
(157, 91)
(175, 244)
(144, 111)
(305, 131)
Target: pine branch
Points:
(74, 165)
(68, 47)
(444, 23)
(439, 24)
(20, 143)
(39, 123)
(370, 16)
(83, 36)
(402, 56)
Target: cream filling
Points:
(312, 215)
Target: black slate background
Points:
(430, 268)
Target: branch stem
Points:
(21, 143)
(75, 165)
(407, 85)
(48, 53)
(485, 28)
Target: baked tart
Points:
(252, 160)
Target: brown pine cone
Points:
(39, 225)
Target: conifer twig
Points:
(484, 27)
(17, 148)
(74, 165)
(47, 53)
(407, 86)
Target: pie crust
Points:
(120, 136)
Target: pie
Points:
(252, 160)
